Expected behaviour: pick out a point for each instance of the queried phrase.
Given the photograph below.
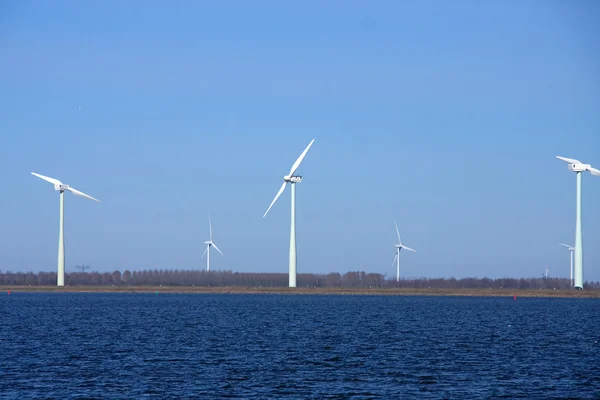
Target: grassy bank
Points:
(304, 290)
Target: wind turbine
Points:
(208, 244)
(571, 250)
(578, 167)
(61, 188)
(399, 247)
(292, 179)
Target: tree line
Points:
(352, 279)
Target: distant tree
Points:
(126, 277)
(251, 279)
(116, 278)
(95, 278)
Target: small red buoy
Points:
(9, 292)
(515, 297)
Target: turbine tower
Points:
(399, 247)
(578, 167)
(571, 250)
(61, 188)
(208, 244)
(292, 179)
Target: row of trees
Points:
(353, 279)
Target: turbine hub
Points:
(208, 243)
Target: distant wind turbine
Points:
(399, 247)
(578, 167)
(571, 250)
(61, 188)
(292, 180)
(209, 243)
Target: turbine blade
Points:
(281, 189)
(395, 258)
(569, 160)
(48, 179)
(78, 193)
(299, 160)
(398, 232)
(408, 248)
(594, 171)
(566, 245)
(203, 254)
(216, 248)
(209, 229)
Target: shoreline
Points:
(594, 293)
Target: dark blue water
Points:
(278, 346)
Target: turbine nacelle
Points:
(61, 187)
(208, 243)
(292, 179)
(579, 167)
(401, 246)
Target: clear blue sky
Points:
(445, 117)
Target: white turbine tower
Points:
(61, 188)
(399, 247)
(578, 167)
(292, 179)
(571, 250)
(208, 244)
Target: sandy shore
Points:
(323, 291)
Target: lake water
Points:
(296, 346)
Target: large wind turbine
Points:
(208, 244)
(292, 179)
(399, 247)
(571, 250)
(578, 167)
(61, 188)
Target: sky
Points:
(444, 116)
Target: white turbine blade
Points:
(281, 189)
(209, 229)
(408, 248)
(569, 160)
(398, 232)
(203, 254)
(48, 179)
(566, 245)
(216, 248)
(395, 258)
(594, 171)
(78, 193)
(299, 160)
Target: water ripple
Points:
(142, 346)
